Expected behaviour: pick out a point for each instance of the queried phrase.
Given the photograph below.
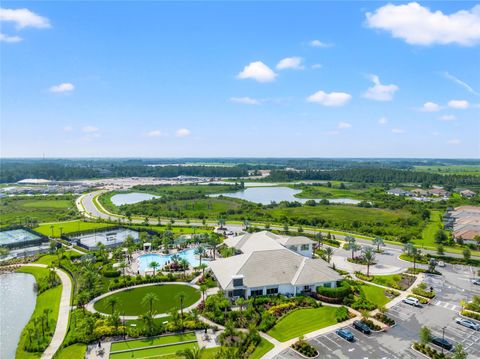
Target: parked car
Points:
(442, 343)
(476, 281)
(346, 334)
(361, 326)
(412, 301)
(468, 323)
(441, 264)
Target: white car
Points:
(468, 323)
(441, 264)
(412, 301)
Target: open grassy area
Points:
(152, 353)
(20, 210)
(75, 351)
(374, 294)
(396, 281)
(130, 300)
(49, 259)
(467, 170)
(141, 343)
(69, 227)
(49, 299)
(263, 348)
(331, 192)
(303, 321)
(428, 233)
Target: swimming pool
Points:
(188, 254)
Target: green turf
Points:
(69, 227)
(164, 352)
(141, 343)
(325, 192)
(374, 294)
(130, 300)
(263, 348)
(303, 321)
(49, 299)
(75, 351)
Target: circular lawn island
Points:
(130, 301)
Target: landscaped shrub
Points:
(371, 324)
(341, 291)
(362, 276)
(110, 273)
(384, 319)
(305, 349)
(472, 315)
(422, 300)
(421, 290)
(428, 351)
(342, 314)
(363, 303)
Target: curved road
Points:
(86, 205)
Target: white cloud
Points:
(382, 121)
(318, 43)
(294, 63)
(453, 141)
(257, 71)
(317, 66)
(68, 129)
(379, 92)
(447, 118)
(89, 129)
(332, 99)
(64, 87)
(154, 133)
(398, 130)
(344, 125)
(23, 18)
(417, 25)
(430, 107)
(183, 132)
(461, 83)
(245, 100)
(458, 104)
(9, 39)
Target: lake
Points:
(267, 195)
(17, 302)
(131, 198)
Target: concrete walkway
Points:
(91, 305)
(63, 312)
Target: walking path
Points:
(63, 312)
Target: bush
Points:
(305, 349)
(110, 273)
(342, 314)
(420, 290)
(362, 276)
(339, 292)
(371, 324)
(469, 314)
(384, 319)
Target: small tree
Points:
(467, 253)
(154, 265)
(440, 250)
(328, 254)
(112, 301)
(369, 258)
(425, 335)
(352, 245)
(432, 264)
(149, 299)
(441, 236)
(378, 241)
(459, 352)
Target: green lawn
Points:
(152, 353)
(168, 339)
(20, 209)
(69, 227)
(428, 233)
(325, 192)
(130, 300)
(263, 348)
(75, 351)
(303, 321)
(375, 294)
(49, 259)
(50, 299)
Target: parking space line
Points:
(338, 345)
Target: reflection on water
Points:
(130, 198)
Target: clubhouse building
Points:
(268, 264)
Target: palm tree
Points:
(112, 301)
(149, 323)
(185, 265)
(149, 299)
(195, 353)
(200, 251)
(175, 258)
(378, 241)
(154, 265)
(203, 266)
(369, 258)
(412, 252)
(123, 266)
(352, 245)
(181, 298)
(203, 289)
(221, 222)
(328, 254)
(213, 241)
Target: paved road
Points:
(451, 288)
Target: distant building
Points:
(467, 193)
(399, 192)
(466, 223)
(22, 242)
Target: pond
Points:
(131, 198)
(188, 254)
(17, 302)
(267, 195)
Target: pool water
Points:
(188, 254)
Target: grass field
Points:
(375, 294)
(428, 233)
(152, 353)
(168, 339)
(468, 170)
(75, 351)
(393, 281)
(49, 259)
(50, 299)
(69, 227)
(303, 321)
(263, 348)
(130, 300)
(330, 192)
(19, 210)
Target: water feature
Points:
(17, 302)
(131, 198)
(267, 195)
(188, 254)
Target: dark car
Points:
(361, 326)
(346, 334)
(442, 343)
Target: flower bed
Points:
(422, 300)
(428, 351)
(305, 349)
(421, 290)
(469, 314)
(385, 319)
(372, 325)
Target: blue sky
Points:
(222, 79)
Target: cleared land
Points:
(130, 300)
(303, 321)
